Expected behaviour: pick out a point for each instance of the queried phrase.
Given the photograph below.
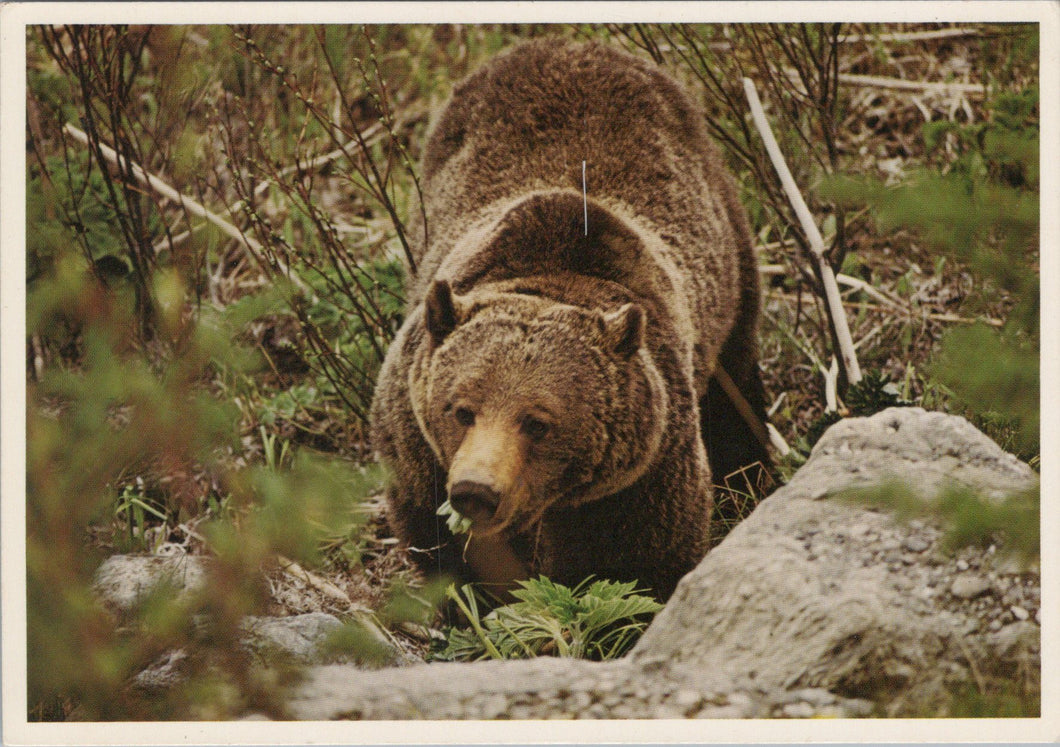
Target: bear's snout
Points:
(475, 500)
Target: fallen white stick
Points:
(977, 89)
(831, 379)
(813, 234)
(842, 279)
(778, 441)
(906, 36)
(901, 84)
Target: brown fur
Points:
(556, 380)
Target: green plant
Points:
(137, 509)
(595, 620)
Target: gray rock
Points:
(798, 710)
(1016, 639)
(757, 620)
(300, 638)
(124, 581)
(165, 672)
(969, 586)
(915, 544)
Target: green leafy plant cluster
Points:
(595, 620)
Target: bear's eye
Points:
(464, 416)
(534, 429)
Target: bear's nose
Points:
(475, 500)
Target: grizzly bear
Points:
(554, 377)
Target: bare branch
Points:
(159, 186)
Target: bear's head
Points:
(531, 404)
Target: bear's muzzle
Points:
(475, 500)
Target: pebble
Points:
(969, 586)
(729, 711)
(857, 708)
(685, 699)
(915, 544)
(1019, 613)
(493, 706)
(813, 695)
(798, 710)
(962, 565)
(740, 700)
(664, 711)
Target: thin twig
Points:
(254, 247)
(813, 234)
(776, 404)
(371, 135)
(847, 280)
(807, 351)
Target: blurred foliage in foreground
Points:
(980, 208)
(113, 410)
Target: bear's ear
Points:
(440, 311)
(624, 330)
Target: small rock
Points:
(962, 565)
(493, 706)
(857, 708)
(665, 711)
(685, 699)
(1019, 613)
(1023, 635)
(915, 544)
(579, 702)
(740, 700)
(164, 673)
(969, 586)
(124, 581)
(813, 695)
(798, 710)
(995, 625)
(597, 710)
(729, 711)
(301, 637)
